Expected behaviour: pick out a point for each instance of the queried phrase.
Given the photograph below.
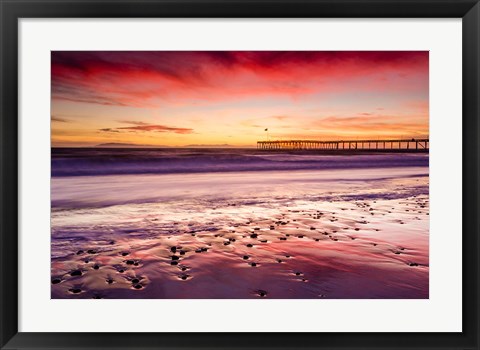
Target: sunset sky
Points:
(169, 98)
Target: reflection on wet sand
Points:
(308, 242)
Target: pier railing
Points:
(395, 145)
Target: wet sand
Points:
(307, 239)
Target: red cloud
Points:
(145, 127)
(140, 78)
(157, 128)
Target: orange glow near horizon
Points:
(168, 98)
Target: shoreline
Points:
(78, 192)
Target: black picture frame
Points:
(12, 11)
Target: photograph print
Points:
(239, 175)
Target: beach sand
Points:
(242, 235)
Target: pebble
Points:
(80, 252)
(138, 286)
(75, 290)
(249, 245)
(96, 267)
(135, 280)
(174, 257)
(56, 280)
(245, 257)
(261, 293)
(91, 251)
(253, 264)
(76, 273)
(253, 235)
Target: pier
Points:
(419, 145)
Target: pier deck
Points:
(360, 145)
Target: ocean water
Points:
(317, 224)
(105, 161)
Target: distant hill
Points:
(133, 145)
(123, 145)
(225, 145)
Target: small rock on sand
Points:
(262, 293)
